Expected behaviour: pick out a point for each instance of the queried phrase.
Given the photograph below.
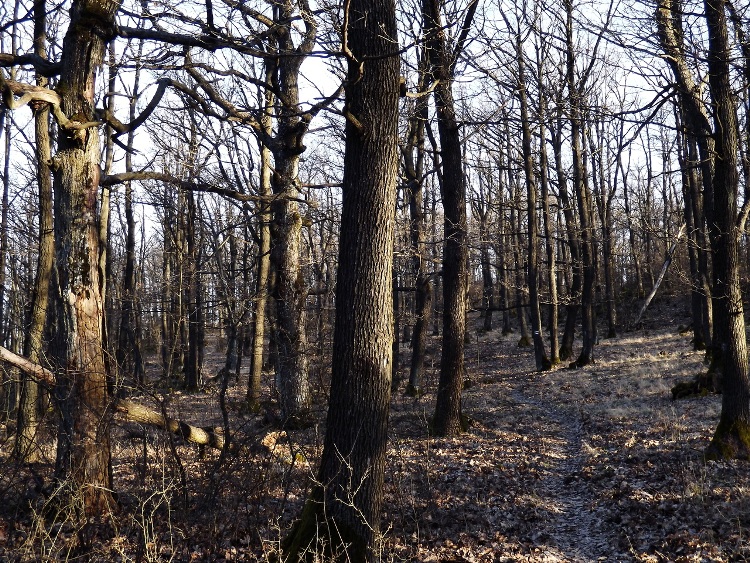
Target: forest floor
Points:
(594, 464)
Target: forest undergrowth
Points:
(595, 464)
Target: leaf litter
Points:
(594, 464)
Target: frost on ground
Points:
(596, 464)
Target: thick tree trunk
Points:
(290, 290)
(732, 437)
(289, 296)
(346, 505)
(84, 452)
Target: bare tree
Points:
(345, 504)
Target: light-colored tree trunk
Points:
(84, 452)
(33, 347)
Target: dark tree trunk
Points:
(346, 505)
(532, 221)
(732, 436)
(519, 267)
(414, 167)
(689, 173)
(447, 420)
(571, 227)
(583, 196)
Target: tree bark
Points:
(414, 168)
(83, 452)
(346, 503)
(583, 196)
(732, 436)
(447, 420)
(34, 346)
(571, 227)
(532, 221)
(264, 252)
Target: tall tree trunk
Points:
(501, 250)
(519, 268)
(264, 252)
(414, 168)
(604, 190)
(192, 293)
(532, 221)
(689, 178)
(732, 436)
(83, 452)
(447, 419)
(346, 505)
(583, 196)
(698, 129)
(290, 291)
(571, 227)
(549, 243)
(33, 346)
(128, 350)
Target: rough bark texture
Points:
(447, 419)
(732, 437)
(290, 291)
(83, 452)
(346, 504)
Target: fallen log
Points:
(129, 410)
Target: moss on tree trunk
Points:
(731, 441)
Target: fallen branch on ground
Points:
(130, 410)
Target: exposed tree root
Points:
(702, 385)
(319, 535)
(731, 441)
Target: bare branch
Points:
(132, 411)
